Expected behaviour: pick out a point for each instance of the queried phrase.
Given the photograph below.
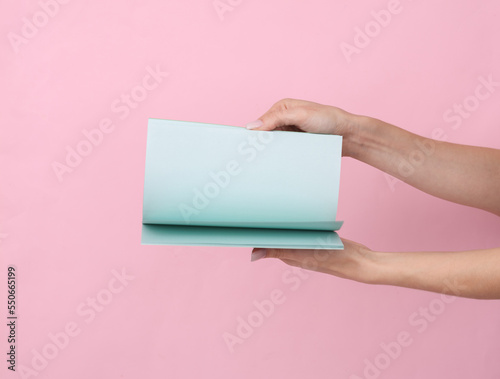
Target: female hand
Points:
(355, 262)
(306, 116)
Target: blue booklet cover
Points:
(220, 185)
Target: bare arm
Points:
(462, 174)
(473, 273)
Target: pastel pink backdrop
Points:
(66, 237)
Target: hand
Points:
(305, 116)
(355, 262)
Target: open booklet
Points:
(219, 185)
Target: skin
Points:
(462, 174)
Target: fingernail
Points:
(258, 254)
(254, 124)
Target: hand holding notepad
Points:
(218, 185)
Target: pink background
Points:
(66, 237)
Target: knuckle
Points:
(284, 111)
(283, 104)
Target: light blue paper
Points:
(219, 185)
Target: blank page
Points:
(225, 176)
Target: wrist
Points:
(356, 134)
(377, 266)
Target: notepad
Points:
(219, 185)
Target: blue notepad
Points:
(219, 185)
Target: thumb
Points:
(280, 114)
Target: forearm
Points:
(462, 174)
(473, 273)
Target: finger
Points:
(282, 114)
(309, 259)
(306, 259)
(306, 266)
(310, 267)
(298, 255)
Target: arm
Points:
(473, 273)
(462, 174)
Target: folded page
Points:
(239, 237)
(225, 176)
